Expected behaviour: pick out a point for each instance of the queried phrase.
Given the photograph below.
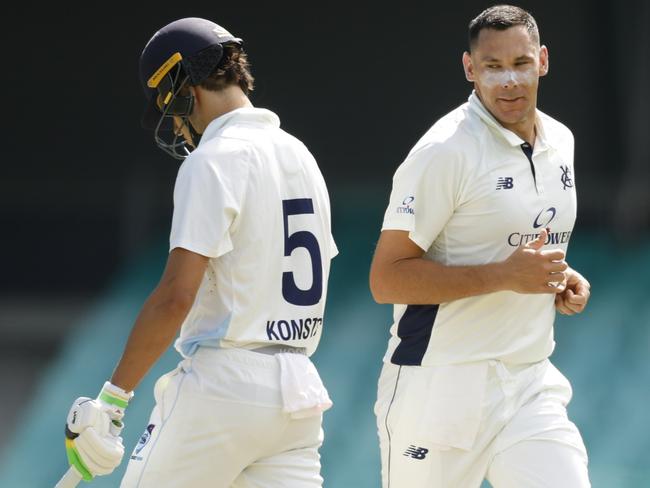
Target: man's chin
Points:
(509, 118)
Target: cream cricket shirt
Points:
(468, 194)
(252, 198)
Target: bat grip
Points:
(70, 479)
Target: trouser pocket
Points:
(166, 388)
(441, 405)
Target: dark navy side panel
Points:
(414, 330)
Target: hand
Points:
(573, 299)
(529, 269)
(93, 444)
(93, 454)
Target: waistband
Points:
(279, 348)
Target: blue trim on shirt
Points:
(188, 346)
(414, 330)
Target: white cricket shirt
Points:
(468, 195)
(252, 198)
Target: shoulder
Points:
(219, 153)
(557, 133)
(288, 140)
(454, 139)
(220, 163)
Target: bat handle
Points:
(70, 479)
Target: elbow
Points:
(378, 288)
(378, 294)
(176, 303)
(381, 299)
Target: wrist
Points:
(115, 397)
(495, 277)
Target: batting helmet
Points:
(184, 52)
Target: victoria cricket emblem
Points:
(566, 177)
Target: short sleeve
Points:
(208, 197)
(424, 194)
(334, 250)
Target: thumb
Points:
(539, 241)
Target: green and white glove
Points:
(93, 443)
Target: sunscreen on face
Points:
(507, 77)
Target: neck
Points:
(229, 99)
(213, 104)
(525, 130)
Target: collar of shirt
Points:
(541, 143)
(245, 115)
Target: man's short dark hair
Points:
(502, 17)
(233, 69)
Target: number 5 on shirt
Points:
(306, 239)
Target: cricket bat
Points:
(70, 479)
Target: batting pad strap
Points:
(114, 395)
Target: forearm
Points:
(153, 332)
(421, 281)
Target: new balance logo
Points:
(416, 452)
(505, 183)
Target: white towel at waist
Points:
(303, 392)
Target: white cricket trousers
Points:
(453, 426)
(219, 422)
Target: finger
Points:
(569, 296)
(579, 297)
(558, 286)
(573, 308)
(560, 305)
(576, 299)
(583, 288)
(556, 266)
(557, 277)
(553, 254)
(539, 241)
(554, 287)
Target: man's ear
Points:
(543, 61)
(468, 67)
(194, 93)
(197, 102)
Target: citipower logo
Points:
(544, 218)
(406, 208)
(542, 221)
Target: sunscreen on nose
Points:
(507, 77)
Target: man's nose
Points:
(509, 80)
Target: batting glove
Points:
(114, 400)
(93, 443)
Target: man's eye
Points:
(493, 66)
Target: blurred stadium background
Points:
(86, 202)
